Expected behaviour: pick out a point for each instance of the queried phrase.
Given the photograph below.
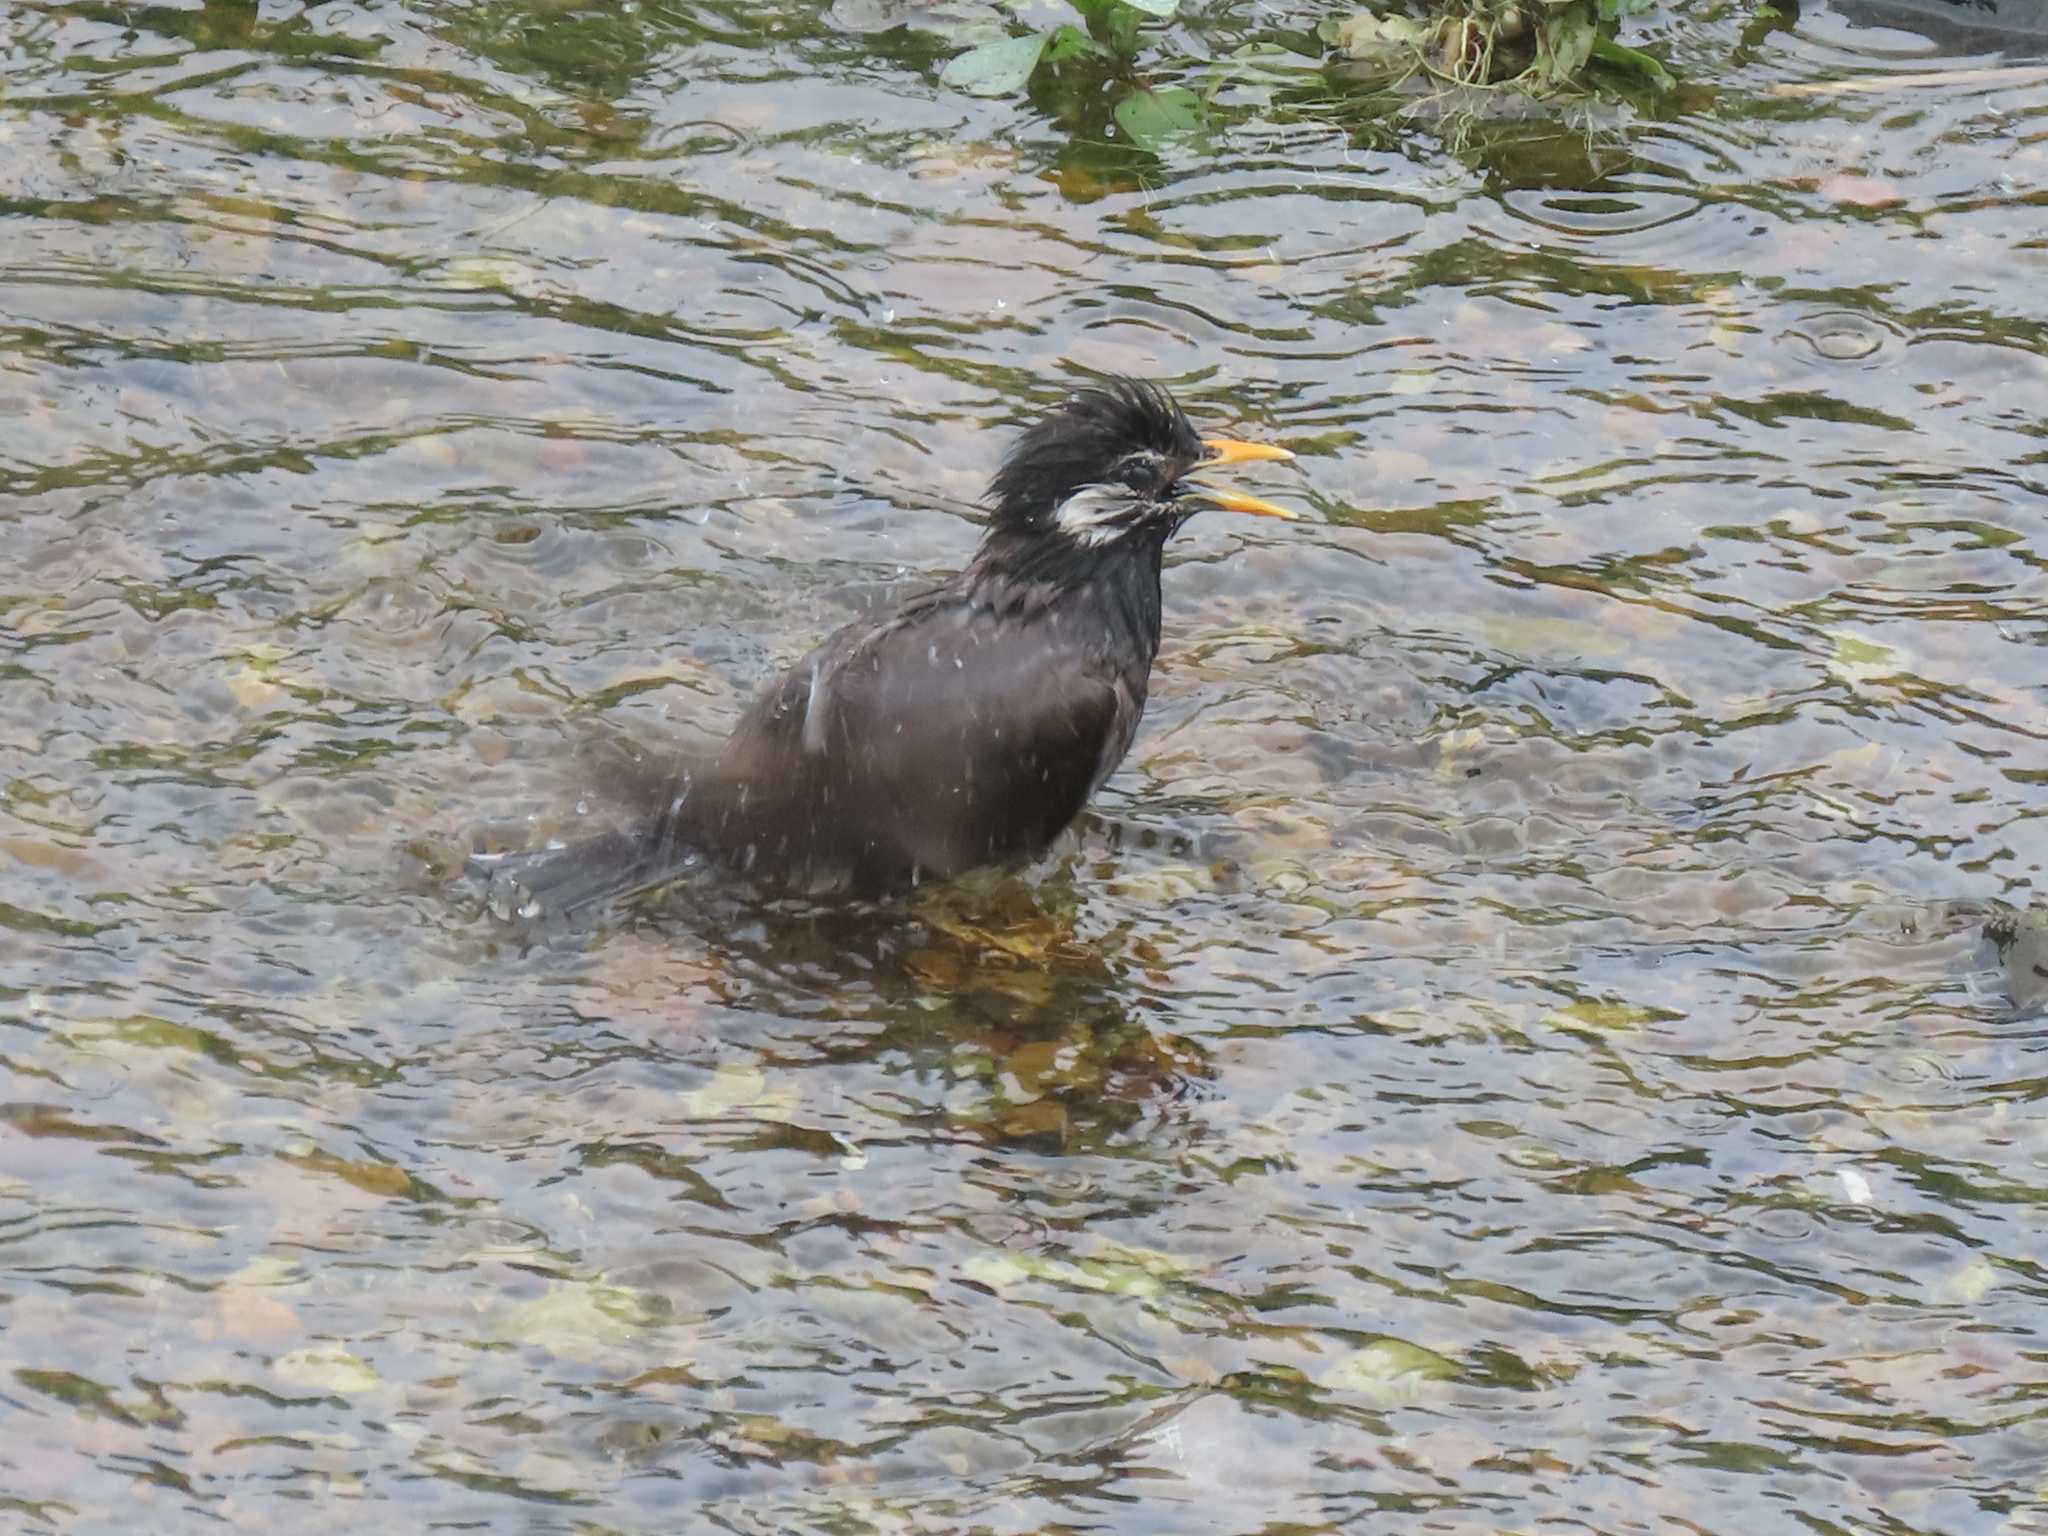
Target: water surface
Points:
(1500, 1056)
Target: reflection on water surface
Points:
(1512, 1049)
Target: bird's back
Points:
(971, 726)
(968, 729)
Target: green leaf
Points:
(1620, 56)
(1159, 8)
(1070, 42)
(995, 69)
(1563, 44)
(1120, 26)
(1150, 118)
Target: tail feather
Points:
(559, 882)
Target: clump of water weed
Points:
(1529, 47)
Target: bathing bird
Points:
(969, 726)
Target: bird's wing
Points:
(951, 737)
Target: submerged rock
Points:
(2022, 940)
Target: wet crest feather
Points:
(1081, 442)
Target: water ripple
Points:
(1530, 974)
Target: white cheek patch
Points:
(1096, 514)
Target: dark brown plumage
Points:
(971, 725)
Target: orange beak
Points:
(1228, 450)
(1224, 451)
(1237, 501)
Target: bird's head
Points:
(1113, 463)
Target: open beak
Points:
(1228, 450)
(1225, 451)
(1237, 501)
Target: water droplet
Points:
(1843, 336)
(1845, 345)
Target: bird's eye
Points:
(1140, 472)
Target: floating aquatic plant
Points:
(1536, 47)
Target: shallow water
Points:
(1501, 1055)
